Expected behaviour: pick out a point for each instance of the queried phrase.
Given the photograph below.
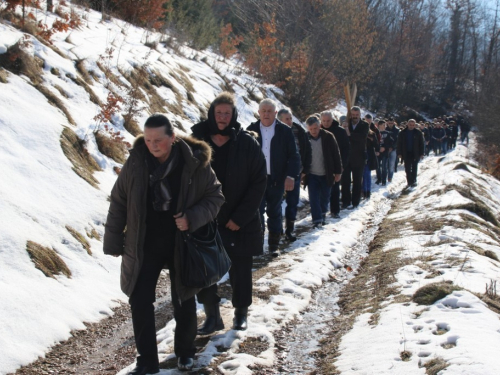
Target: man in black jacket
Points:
(411, 150)
(357, 131)
(304, 147)
(283, 167)
(329, 123)
(240, 166)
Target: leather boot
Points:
(274, 242)
(240, 318)
(290, 226)
(213, 321)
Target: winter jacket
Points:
(357, 139)
(285, 160)
(342, 141)
(438, 134)
(388, 142)
(244, 187)
(372, 147)
(418, 144)
(201, 194)
(304, 147)
(331, 156)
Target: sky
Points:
(40, 195)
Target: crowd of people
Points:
(172, 183)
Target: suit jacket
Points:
(285, 159)
(357, 139)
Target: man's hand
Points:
(337, 177)
(181, 221)
(382, 149)
(231, 225)
(289, 184)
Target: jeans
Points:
(444, 146)
(319, 197)
(292, 200)
(392, 163)
(367, 179)
(385, 166)
(271, 204)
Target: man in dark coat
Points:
(240, 166)
(326, 169)
(330, 124)
(411, 149)
(163, 175)
(304, 148)
(357, 131)
(282, 165)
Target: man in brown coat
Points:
(325, 170)
(163, 174)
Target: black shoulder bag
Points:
(204, 260)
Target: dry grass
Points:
(435, 365)
(431, 293)
(55, 101)
(47, 260)
(17, 61)
(92, 95)
(112, 148)
(131, 125)
(61, 91)
(80, 238)
(84, 165)
(4, 76)
(80, 67)
(92, 233)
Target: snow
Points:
(41, 195)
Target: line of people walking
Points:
(173, 183)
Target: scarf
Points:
(162, 196)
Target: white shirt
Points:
(267, 135)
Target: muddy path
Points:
(106, 347)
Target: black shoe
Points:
(336, 215)
(143, 370)
(275, 253)
(414, 184)
(377, 182)
(383, 183)
(240, 319)
(344, 207)
(185, 363)
(274, 241)
(351, 207)
(213, 321)
(316, 225)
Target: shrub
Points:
(47, 260)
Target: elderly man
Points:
(326, 169)
(304, 147)
(357, 131)
(283, 167)
(411, 150)
(331, 125)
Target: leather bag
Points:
(204, 260)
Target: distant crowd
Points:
(172, 186)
